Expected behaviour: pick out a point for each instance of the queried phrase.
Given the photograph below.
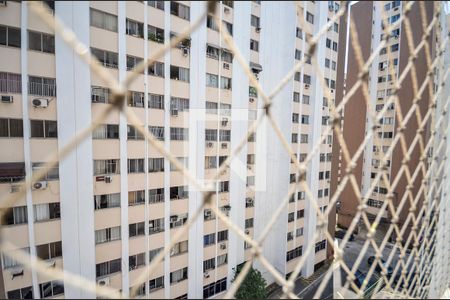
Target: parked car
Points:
(341, 233)
(389, 269)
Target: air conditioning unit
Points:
(51, 263)
(252, 100)
(224, 145)
(249, 167)
(306, 86)
(40, 102)
(14, 188)
(103, 281)
(209, 144)
(207, 213)
(226, 10)
(185, 51)
(247, 231)
(258, 29)
(40, 185)
(7, 99)
(223, 246)
(108, 179)
(174, 112)
(226, 66)
(249, 201)
(332, 91)
(395, 9)
(206, 275)
(173, 218)
(224, 121)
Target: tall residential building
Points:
(114, 202)
(357, 120)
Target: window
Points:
(52, 174)
(107, 235)
(224, 187)
(10, 83)
(254, 45)
(290, 255)
(254, 21)
(224, 135)
(106, 131)
(51, 288)
(41, 42)
(156, 4)
(209, 239)
(328, 43)
(225, 83)
(181, 104)
(299, 33)
(157, 132)
(155, 101)
(10, 36)
(227, 56)
(180, 10)
(298, 54)
(178, 192)
(305, 119)
(321, 245)
(297, 76)
(305, 99)
(153, 253)
(209, 264)
(299, 232)
(303, 138)
(132, 62)
(135, 28)
(249, 223)
(11, 128)
(99, 94)
(394, 48)
(49, 251)
(156, 165)
(310, 17)
(133, 133)
(109, 267)
(43, 129)
(395, 18)
(106, 201)
(211, 289)
(327, 63)
(103, 20)
(229, 27)
(179, 248)
(156, 69)
(136, 197)
(23, 293)
(41, 86)
(212, 52)
(335, 46)
(210, 162)
(46, 211)
(212, 80)
(333, 65)
(136, 229)
(155, 34)
(135, 165)
(156, 226)
(295, 118)
(291, 217)
(178, 73)
(375, 203)
(179, 134)
(290, 236)
(106, 58)
(306, 79)
(336, 27)
(156, 195)
(294, 138)
(107, 166)
(296, 97)
(136, 261)
(179, 275)
(395, 3)
(157, 283)
(15, 215)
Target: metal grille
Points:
(424, 270)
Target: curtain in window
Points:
(20, 215)
(115, 233)
(100, 236)
(41, 212)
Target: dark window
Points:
(41, 42)
(10, 36)
(44, 129)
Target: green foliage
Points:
(253, 286)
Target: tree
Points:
(253, 286)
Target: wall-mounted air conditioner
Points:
(108, 179)
(224, 146)
(224, 121)
(206, 275)
(185, 51)
(306, 86)
(223, 246)
(40, 102)
(209, 144)
(174, 112)
(226, 10)
(226, 66)
(103, 281)
(258, 29)
(40, 185)
(7, 99)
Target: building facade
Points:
(357, 116)
(114, 202)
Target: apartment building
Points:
(357, 121)
(114, 202)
